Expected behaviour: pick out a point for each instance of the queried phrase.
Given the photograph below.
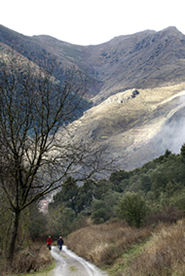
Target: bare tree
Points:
(37, 151)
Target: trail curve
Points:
(69, 264)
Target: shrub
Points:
(169, 214)
(100, 212)
(104, 209)
(33, 258)
(132, 208)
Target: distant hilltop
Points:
(144, 60)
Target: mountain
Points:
(136, 83)
(37, 47)
(142, 60)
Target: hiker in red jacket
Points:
(49, 242)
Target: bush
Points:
(179, 200)
(100, 213)
(169, 214)
(37, 223)
(61, 220)
(132, 208)
(104, 209)
(35, 257)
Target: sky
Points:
(90, 22)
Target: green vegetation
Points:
(72, 268)
(132, 208)
(126, 259)
(147, 195)
(121, 214)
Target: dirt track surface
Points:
(68, 264)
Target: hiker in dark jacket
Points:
(60, 242)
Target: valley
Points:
(53, 139)
(152, 63)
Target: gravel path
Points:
(68, 264)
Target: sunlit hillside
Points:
(137, 128)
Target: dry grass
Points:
(163, 255)
(34, 258)
(102, 244)
(123, 250)
(126, 251)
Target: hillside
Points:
(144, 60)
(122, 251)
(135, 129)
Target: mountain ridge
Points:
(145, 59)
(135, 129)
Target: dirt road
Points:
(68, 264)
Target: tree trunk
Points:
(13, 237)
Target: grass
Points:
(102, 244)
(162, 255)
(72, 268)
(43, 272)
(124, 251)
(125, 260)
(34, 260)
(118, 249)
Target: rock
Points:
(134, 93)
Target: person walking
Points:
(49, 242)
(60, 243)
